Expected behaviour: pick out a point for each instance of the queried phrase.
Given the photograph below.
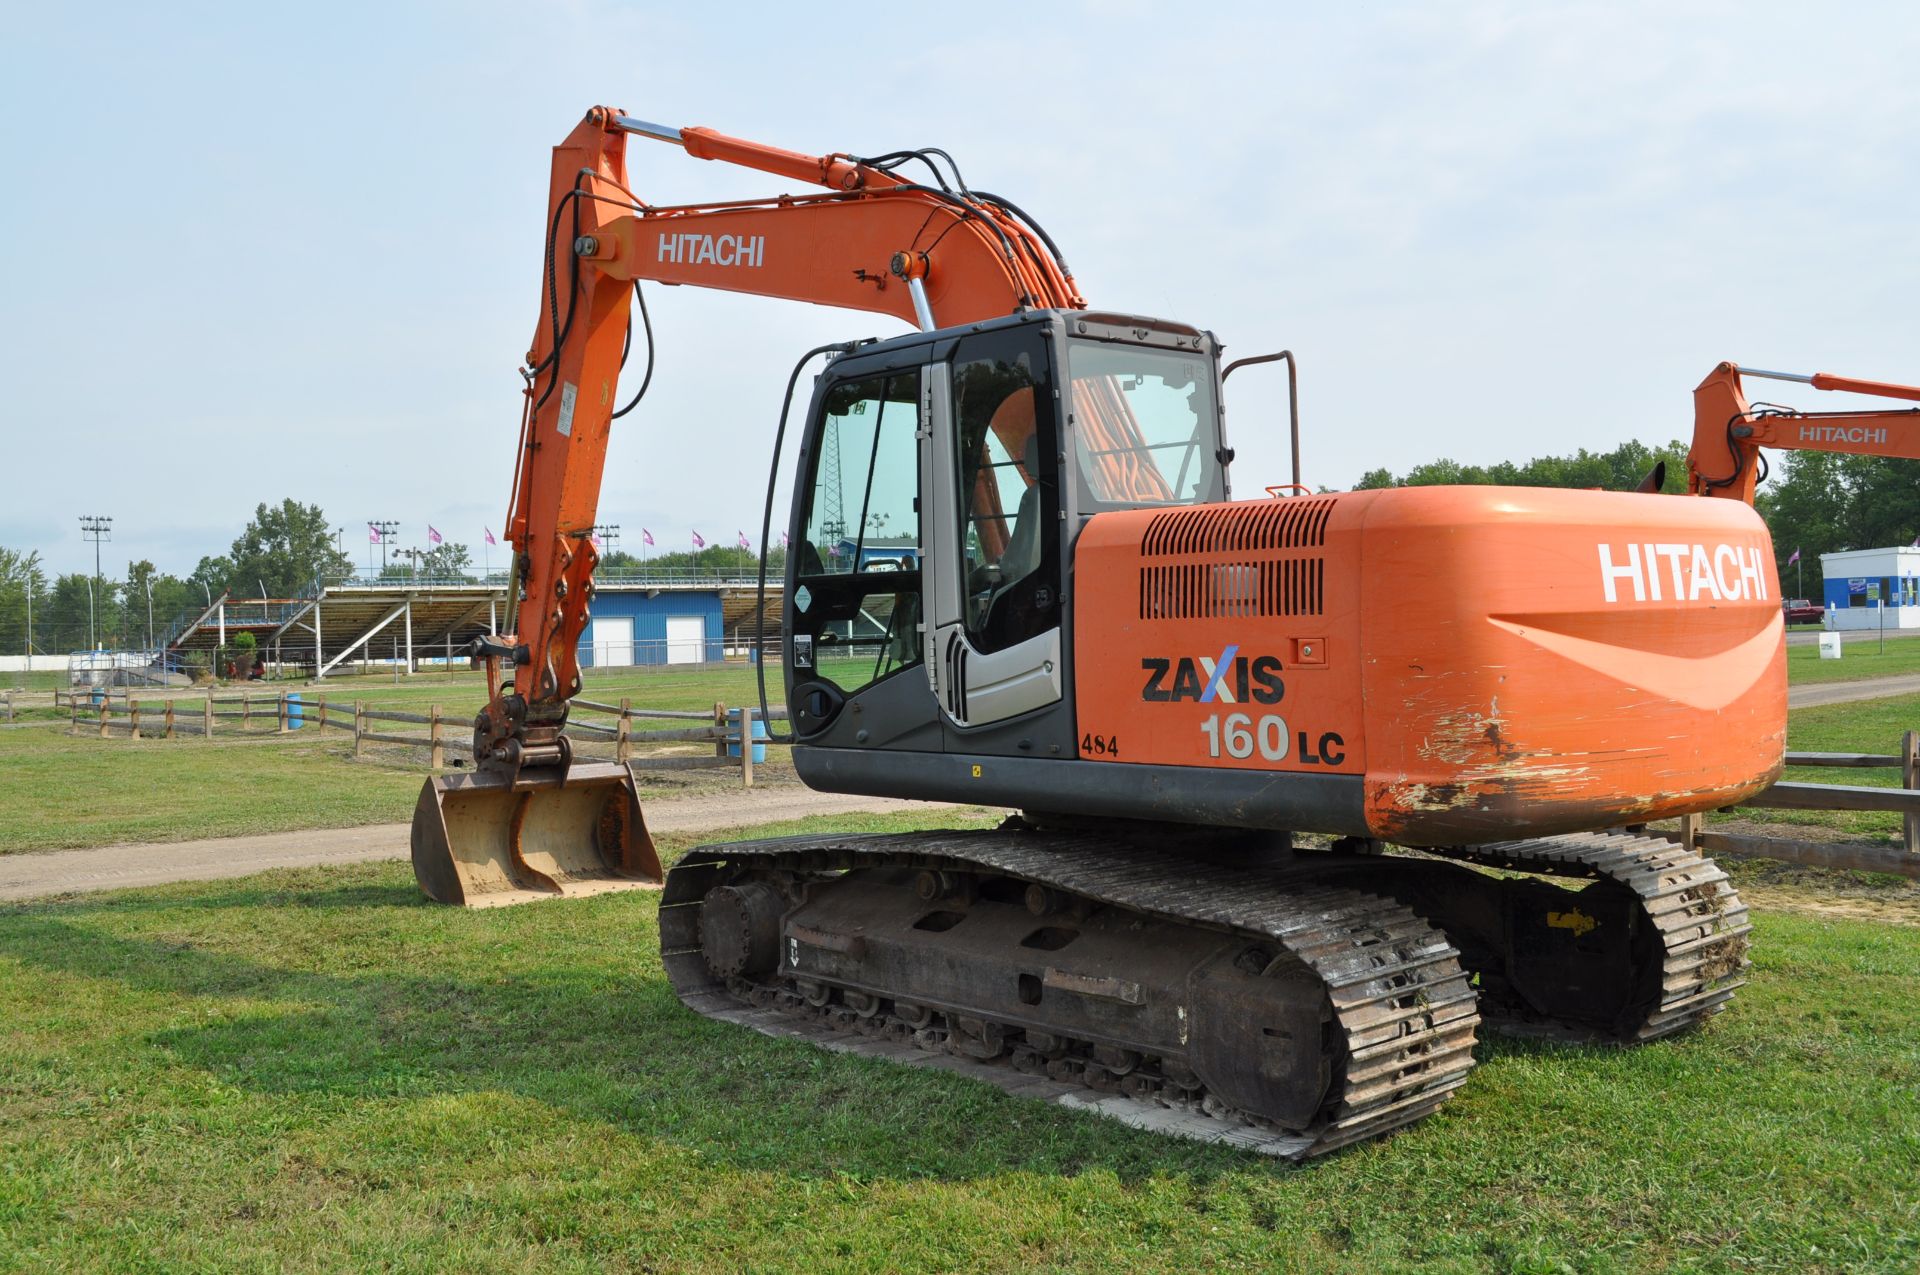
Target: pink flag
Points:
(1915, 544)
(593, 536)
(646, 535)
(489, 533)
(744, 542)
(433, 537)
(373, 534)
(1795, 558)
(783, 540)
(698, 543)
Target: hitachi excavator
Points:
(1017, 579)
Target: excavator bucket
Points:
(481, 841)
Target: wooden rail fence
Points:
(1903, 860)
(727, 729)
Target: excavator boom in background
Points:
(1729, 432)
(1018, 578)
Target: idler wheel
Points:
(740, 929)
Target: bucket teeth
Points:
(485, 841)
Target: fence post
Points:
(323, 716)
(746, 747)
(9, 707)
(359, 727)
(246, 709)
(437, 756)
(206, 717)
(720, 721)
(169, 734)
(623, 733)
(280, 713)
(73, 715)
(106, 708)
(1690, 826)
(133, 718)
(1910, 768)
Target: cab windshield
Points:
(1144, 426)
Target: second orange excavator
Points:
(1018, 579)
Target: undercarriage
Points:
(1199, 984)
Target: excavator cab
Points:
(943, 480)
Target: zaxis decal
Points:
(1230, 678)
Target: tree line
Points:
(283, 550)
(1814, 502)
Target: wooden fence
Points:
(727, 729)
(1903, 859)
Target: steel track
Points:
(1701, 922)
(1405, 1011)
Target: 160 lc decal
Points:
(1233, 678)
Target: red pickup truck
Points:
(1803, 611)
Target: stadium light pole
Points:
(94, 528)
(609, 536)
(384, 527)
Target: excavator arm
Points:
(529, 822)
(1729, 431)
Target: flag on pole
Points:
(646, 536)
(698, 543)
(433, 537)
(594, 536)
(744, 542)
(489, 535)
(373, 534)
(1795, 558)
(783, 540)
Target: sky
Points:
(259, 251)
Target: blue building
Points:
(650, 624)
(1872, 588)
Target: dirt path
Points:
(30, 876)
(1842, 692)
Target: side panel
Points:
(1496, 662)
(1222, 636)
(1552, 661)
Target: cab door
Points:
(989, 457)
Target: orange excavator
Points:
(1018, 579)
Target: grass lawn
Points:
(318, 1070)
(1861, 658)
(58, 790)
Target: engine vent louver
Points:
(1239, 528)
(1256, 583)
(1285, 586)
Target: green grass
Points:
(59, 790)
(1861, 658)
(318, 1070)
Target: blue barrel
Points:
(759, 749)
(293, 712)
(100, 695)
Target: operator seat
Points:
(1022, 556)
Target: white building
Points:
(1872, 588)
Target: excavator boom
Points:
(871, 240)
(1729, 431)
